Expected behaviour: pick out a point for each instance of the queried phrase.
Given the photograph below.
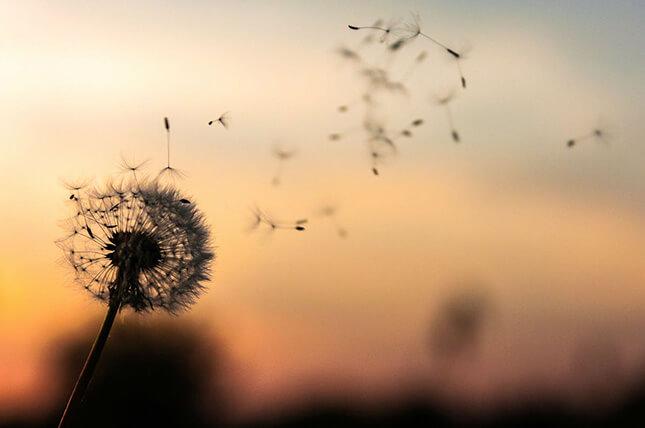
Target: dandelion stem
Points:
(90, 365)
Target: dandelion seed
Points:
(379, 79)
(330, 212)
(168, 171)
(261, 217)
(134, 245)
(412, 29)
(385, 30)
(397, 45)
(349, 54)
(223, 120)
(343, 109)
(282, 155)
(417, 61)
(379, 143)
(597, 134)
(445, 103)
(417, 122)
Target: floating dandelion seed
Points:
(338, 135)
(444, 102)
(168, 171)
(330, 212)
(282, 155)
(137, 245)
(596, 134)
(378, 78)
(261, 217)
(223, 120)
(379, 143)
(369, 38)
(397, 45)
(412, 29)
(378, 26)
(378, 135)
(349, 54)
(365, 99)
(417, 122)
(417, 61)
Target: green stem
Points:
(90, 364)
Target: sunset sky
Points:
(554, 236)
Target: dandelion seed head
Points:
(140, 243)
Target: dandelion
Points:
(134, 244)
(445, 103)
(224, 120)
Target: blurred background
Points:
(487, 282)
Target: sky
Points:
(553, 235)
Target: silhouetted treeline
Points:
(166, 375)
